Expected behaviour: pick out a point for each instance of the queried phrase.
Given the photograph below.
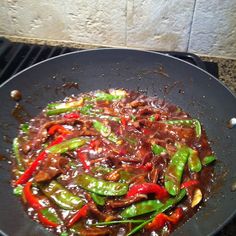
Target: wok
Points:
(196, 91)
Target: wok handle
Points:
(186, 56)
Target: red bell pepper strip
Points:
(31, 199)
(94, 144)
(46, 221)
(147, 188)
(78, 215)
(58, 128)
(83, 159)
(42, 155)
(161, 219)
(72, 115)
(189, 183)
(124, 121)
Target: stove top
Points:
(15, 57)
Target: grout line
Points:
(191, 25)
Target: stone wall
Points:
(200, 26)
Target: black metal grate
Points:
(15, 57)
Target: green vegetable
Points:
(101, 187)
(51, 215)
(15, 147)
(24, 127)
(67, 145)
(157, 149)
(168, 204)
(195, 122)
(194, 162)
(64, 234)
(133, 118)
(118, 222)
(141, 208)
(100, 96)
(152, 118)
(175, 171)
(99, 200)
(208, 159)
(18, 190)
(61, 196)
(105, 131)
(86, 110)
(58, 108)
(101, 170)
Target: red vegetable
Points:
(46, 221)
(94, 144)
(78, 215)
(161, 219)
(31, 199)
(124, 121)
(189, 183)
(147, 167)
(42, 155)
(58, 128)
(72, 116)
(147, 188)
(83, 159)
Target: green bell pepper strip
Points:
(208, 160)
(67, 145)
(61, 196)
(157, 149)
(168, 204)
(15, 147)
(195, 122)
(99, 200)
(101, 96)
(175, 170)
(105, 131)
(101, 187)
(141, 208)
(194, 162)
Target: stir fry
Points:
(112, 162)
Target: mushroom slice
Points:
(197, 197)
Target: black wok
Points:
(196, 91)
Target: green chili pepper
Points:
(101, 187)
(133, 118)
(175, 170)
(61, 196)
(58, 108)
(51, 215)
(15, 147)
(168, 204)
(195, 122)
(157, 149)
(101, 170)
(105, 131)
(141, 208)
(100, 96)
(64, 234)
(194, 162)
(99, 200)
(18, 190)
(152, 118)
(86, 110)
(208, 159)
(67, 145)
(24, 127)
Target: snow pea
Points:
(194, 162)
(157, 149)
(61, 196)
(208, 159)
(67, 145)
(58, 108)
(101, 187)
(102, 96)
(194, 122)
(99, 200)
(175, 170)
(141, 208)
